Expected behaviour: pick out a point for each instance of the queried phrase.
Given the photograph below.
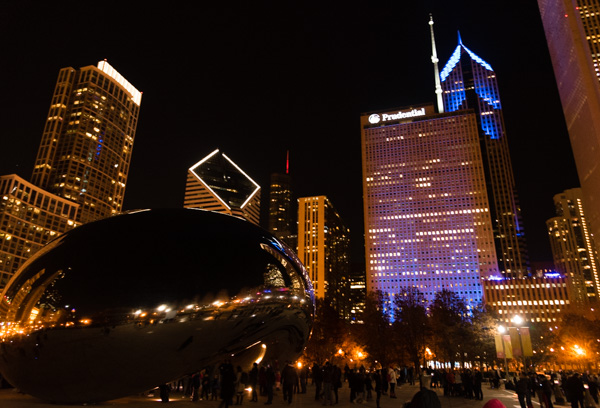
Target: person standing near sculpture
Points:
(227, 384)
(289, 378)
(253, 377)
(269, 384)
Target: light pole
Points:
(502, 330)
(518, 320)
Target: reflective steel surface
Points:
(121, 305)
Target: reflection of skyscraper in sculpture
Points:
(573, 246)
(572, 33)
(216, 183)
(87, 140)
(323, 248)
(469, 82)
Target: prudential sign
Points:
(384, 117)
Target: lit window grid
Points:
(29, 218)
(534, 299)
(87, 142)
(426, 208)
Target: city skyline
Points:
(282, 79)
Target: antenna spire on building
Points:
(435, 60)
(287, 162)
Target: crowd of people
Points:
(580, 389)
(230, 384)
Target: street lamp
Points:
(518, 320)
(502, 330)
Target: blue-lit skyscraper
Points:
(426, 207)
(468, 82)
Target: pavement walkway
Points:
(10, 398)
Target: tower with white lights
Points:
(87, 142)
(573, 246)
(216, 183)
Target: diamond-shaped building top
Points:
(216, 183)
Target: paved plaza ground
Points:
(9, 398)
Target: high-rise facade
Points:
(216, 183)
(324, 249)
(534, 298)
(426, 207)
(282, 209)
(573, 36)
(468, 82)
(29, 218)
(573, 247)
(87, 141)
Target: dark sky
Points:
(258, 78)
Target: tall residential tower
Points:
(87, 141)
(573, 246)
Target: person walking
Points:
(378, 386)
(269, 384)
(523, 391)
(575, 390)
(317, 378)
(196, 382)
(289, 378)
(227, 384)
(477, 381)
(336, 381)
(392, 381)
(253, 379)
(327, 383)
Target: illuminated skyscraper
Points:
(324, 249)
(427, 214)
(572, 31)
(468, 82)
(216, 183)
(29, 218)
(573, 246)
(282, 208)
(86, 145)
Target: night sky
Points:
(256, 79)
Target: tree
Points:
(327, 336)
(376, 331)
(411, 324)
(449, 318)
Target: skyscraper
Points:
(282, 208)
(426, 207)
(572, 33)
(573, 247)
(29, 218)
(87, 142)
(468, 82)
(323, 248)
(216, 183)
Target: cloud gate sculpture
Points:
(121, 305)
